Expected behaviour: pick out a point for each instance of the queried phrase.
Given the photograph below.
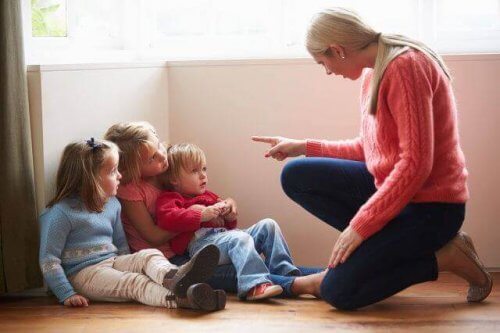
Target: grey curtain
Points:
(18, 218)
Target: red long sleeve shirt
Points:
(173, 214)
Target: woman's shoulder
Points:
(411, 60)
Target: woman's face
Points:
(335, 64)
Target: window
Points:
(48, 18)
(115, 30)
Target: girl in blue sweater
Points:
(84, 253)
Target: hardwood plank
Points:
(438, 306)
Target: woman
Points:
(398, 191)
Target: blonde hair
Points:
(130, 137)
(78, 173)
(344, 27)
(182, 156)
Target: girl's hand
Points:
(348, 241)
(209, 213)
(281, 147)
(76, 301)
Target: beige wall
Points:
(69, 103)
(220, 104)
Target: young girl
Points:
(202, 218)
(84, 252)
(142, 161)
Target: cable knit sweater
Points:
(410, 145)
(72, 238)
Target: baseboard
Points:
(37, 292)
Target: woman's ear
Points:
(337, 51)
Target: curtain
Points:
(19, 239)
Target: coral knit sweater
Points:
(410, 145)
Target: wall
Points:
(220, 104)
(69, 103)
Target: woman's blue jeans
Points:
(396, 257)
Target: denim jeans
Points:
(396, 257)
(242, 248)
(225, 278)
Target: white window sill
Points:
(223, 62)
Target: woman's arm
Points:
(282, 148)
(139, 217)
(346, 149)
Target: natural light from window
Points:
(73, 31)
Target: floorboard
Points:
(435, 306)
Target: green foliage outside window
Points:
(48, 18)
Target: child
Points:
(142, 162)
(84, 252)
(201, 217)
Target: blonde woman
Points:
(397, 192)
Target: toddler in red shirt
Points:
(201, 217)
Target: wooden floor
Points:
(437, 306)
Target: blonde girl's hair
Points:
(182, 156)
(78, 173)
(130, 138)
(345, 28)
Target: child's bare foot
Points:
(309, 284)
(460, 258)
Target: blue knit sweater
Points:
(72, 238)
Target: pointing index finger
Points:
(266, 139)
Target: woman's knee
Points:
(290, 174)
(338, 292)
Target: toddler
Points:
(201, 217)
